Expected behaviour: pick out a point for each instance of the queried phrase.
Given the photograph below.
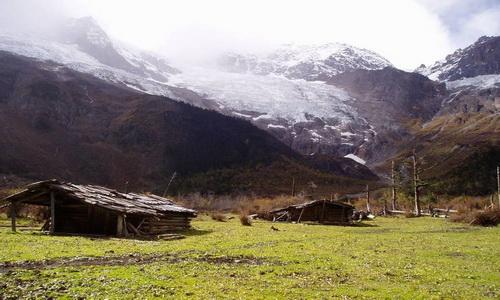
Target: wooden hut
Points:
(322, 211)
(90, 209)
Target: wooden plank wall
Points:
(166, 223)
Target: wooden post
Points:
(52, 213)
(416, 184)
(119, 225)
(13, 213)
(368, 208)
(393, 178)
(293, 187)
(300, 216)
(125, 230)
(323, 211)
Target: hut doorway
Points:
(72, 216)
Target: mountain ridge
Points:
(309, 62)
(56, 122)
(480, 58)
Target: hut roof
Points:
(128, 203)
(312, 203)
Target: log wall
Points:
(166, 223)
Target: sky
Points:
(407, 32)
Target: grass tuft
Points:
(245, 220)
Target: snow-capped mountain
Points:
(284, 93)
(471, 75)
(479, 59)
(311, 117)
(309, 62)
(83, 46)
(93, 40)
(289, 92)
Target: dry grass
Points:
(410, 214)
(218, 217)
(237, 203)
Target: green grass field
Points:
(394, 258)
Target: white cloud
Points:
(483, 23)
(407, 32)
(467, 20)
(401, 30)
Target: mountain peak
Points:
(305, 61)
(86, 30)
(480, 58)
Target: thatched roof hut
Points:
(322, 211)
(91, 209)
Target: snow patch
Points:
(262, 117)
(276, 126)
(317, 135)
(356, 158)
(241, 115)
(481, 82)
(347, 134)
(274, 96)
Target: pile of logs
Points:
(433, 212)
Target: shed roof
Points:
(127, 203)
(312, 203)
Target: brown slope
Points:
(392, 101)
(459, 153)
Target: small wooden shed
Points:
(91, 209)
(322, 211)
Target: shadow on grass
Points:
(196, 232)
(355, 224)
(185, 233)
(363, 224)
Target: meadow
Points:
(397, 258)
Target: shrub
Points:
(490, 217)
(462, 217)
(245, 220)
(487, 218)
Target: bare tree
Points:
(498, 185)
(417, 182)
(393, 179)
(169, 183)
(368, 208)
